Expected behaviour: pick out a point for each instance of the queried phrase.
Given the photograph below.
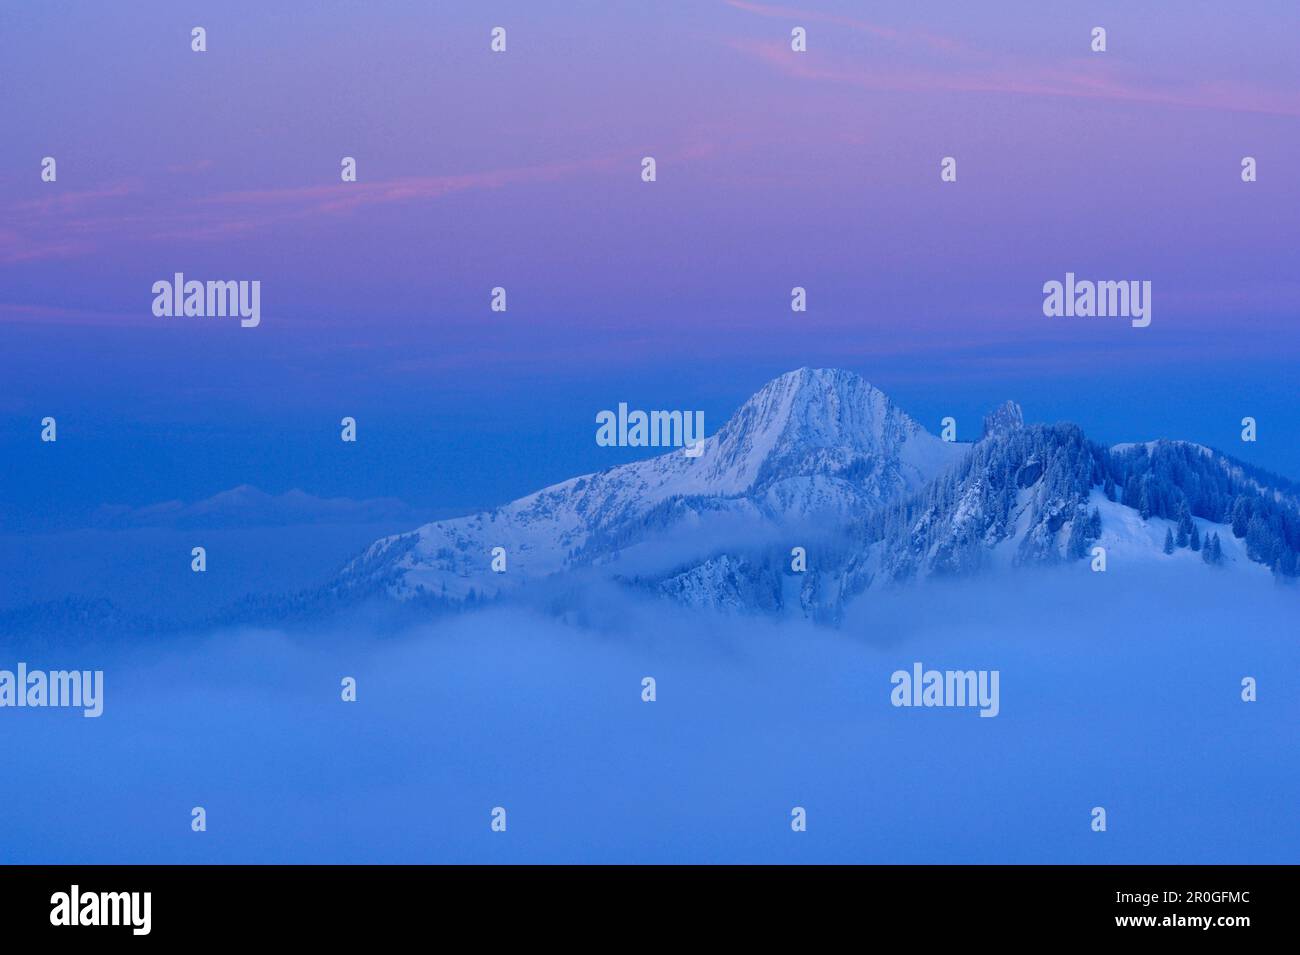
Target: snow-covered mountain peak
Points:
(812, 444)
(822, 458)
(815, 421)
(1005, 417)
(816, 406)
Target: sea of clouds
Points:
(1116, 691)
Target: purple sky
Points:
(775, 169)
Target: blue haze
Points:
(1115, 691)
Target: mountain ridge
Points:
(820, 456)
(810, 443)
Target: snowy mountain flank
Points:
(819, 488)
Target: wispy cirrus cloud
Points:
(1070, 80)
(73, 201)
(330, 198)
(21, 313)
(69, 224)
(967, 68)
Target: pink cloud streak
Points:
(66, 224)
(1078, 79)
